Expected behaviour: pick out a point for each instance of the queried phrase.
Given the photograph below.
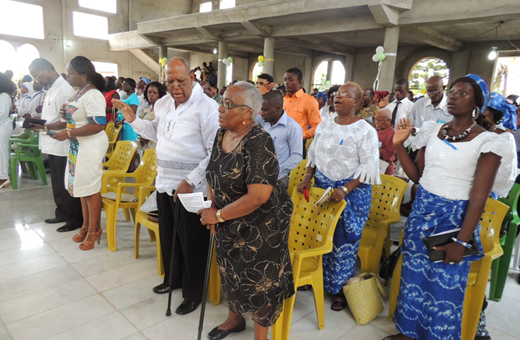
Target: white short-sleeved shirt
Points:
(344, 151)
(450, 172)
(58, 94)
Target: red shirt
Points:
(387, 148)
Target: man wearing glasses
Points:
(185, 125)
(432, 107)
(265, 83)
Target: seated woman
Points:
(344, 155)
(253, 215)
(451, 158)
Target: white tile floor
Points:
(49, 289)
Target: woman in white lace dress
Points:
(345, 156)
(6, 128)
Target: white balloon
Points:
(380, 49)
(375, 58)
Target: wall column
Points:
(269, 56)
(348, 63)
(307, 74)
(458, 65)
(222, 53)
(163, 52)
(386, 80)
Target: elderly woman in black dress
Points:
(250, 216)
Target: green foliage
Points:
(426, 68)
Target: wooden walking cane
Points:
(170, 279)
(206, 282)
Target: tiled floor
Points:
(49, 289)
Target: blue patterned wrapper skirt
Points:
(340, 264)
(431, 295)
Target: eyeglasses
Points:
(229, 105)
(458, 94)
(434, 92)
(38, 76)
(344, 94)
(181, 83)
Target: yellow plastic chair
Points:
(384, 211)
(308, 144)
(491, 221)
(112, 134)
(296, 176)
(310, 236)
(119, 162)
(141, 219)
(143, 176)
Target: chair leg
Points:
(136, 239)
(152, 235)
(127, 214)
(160, 263)
(319, 297)
(32, 170)
(111, 213)
(14, 173)
(394, 288)
(288, 309)
(277, 328)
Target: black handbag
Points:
(386, 269)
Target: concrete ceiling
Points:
(308, 27)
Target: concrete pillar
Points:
(386, 80)
(458, 65)
(307, 74)
(163, 52)
(269, 56)
(222, 53)
(348, 63)
(329, 70)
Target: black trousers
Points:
(191, 248)
(67, 207)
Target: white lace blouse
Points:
(450, 172)
(344, 151)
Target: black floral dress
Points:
(252, 253)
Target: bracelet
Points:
(462, 243)
(345, 189)
(68, 134)
(190, 183)
(219, 216)
(307, 175)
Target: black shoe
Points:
(161, 289)
(217, 333)
(68, 227)
(54, 220)
(186, 307)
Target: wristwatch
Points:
(344, 188)
(190, 183)
(219, 216)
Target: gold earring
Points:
(243, 122)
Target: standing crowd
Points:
(238, 147)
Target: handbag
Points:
(364, 297)
(386, 269)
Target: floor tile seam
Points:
(130, 321)
(502, 331)
(43, 271)
(31, 258)
(103, 316)
(5, 327)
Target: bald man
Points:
(385, 133)
(186, 121)
(432, 107)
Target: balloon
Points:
(327, 82)
(380, 49)
(165, 59)
(375, 58)
(381, 56)
(230, 59)
(225, 61)
(261, 58)
(261, 63)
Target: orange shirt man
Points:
(300, 106)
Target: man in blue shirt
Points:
(285, 132)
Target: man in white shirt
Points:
(287, 135)
(185, 125)
(401, 107)
(433, 107)
(68, 208)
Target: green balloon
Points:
(230, 59)
(381, 56)
(260, 63)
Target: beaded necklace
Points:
(463, 135)
(79, 93)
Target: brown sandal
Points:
(80, 236)
(91, 239)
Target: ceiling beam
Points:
(324, 46)
(256, 28)
(432, 37)
(207, 33)
(326, 26)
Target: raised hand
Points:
(403, 131)
(125, 109)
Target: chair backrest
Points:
(490, 223)
(308, 143)
(312, 226)
(512, 201)
(112, 132)
(122, 156)
(386, 199)
(296, 176)
(147, 169)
